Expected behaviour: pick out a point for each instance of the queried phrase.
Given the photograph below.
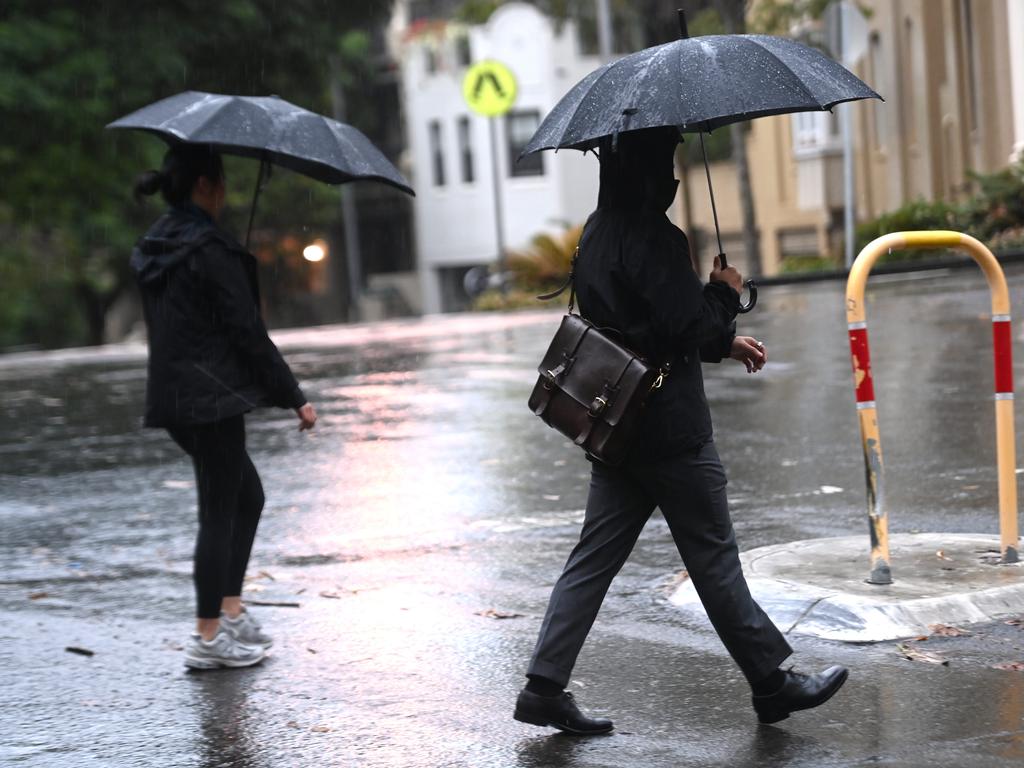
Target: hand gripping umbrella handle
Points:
(751, 287)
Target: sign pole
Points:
(489, 89)
(499, 222)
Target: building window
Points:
(437, 153)
(519, 129)
(466, 150)
(462, 50)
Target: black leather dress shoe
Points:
(559, 712)
(799, 692)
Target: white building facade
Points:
(451, 160)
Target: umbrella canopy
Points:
(271, 129)
(697, 84)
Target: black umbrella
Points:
(698, 84)
(270, 129)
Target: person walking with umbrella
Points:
(210, 358)
(210, 362)
(634, 275)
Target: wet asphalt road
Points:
(429, 501)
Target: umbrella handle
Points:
(751, 287)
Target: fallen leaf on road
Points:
(80, 651)
(38, 595)
(299, 592)
(945, 630)
(492, 613)
(292, 724)
(943, 556)
(1013, 666)
(274, 603)
(1016, 622)
(331, 595)
(551, 497)
(320, 729)
(311, 650)
(910, 652)
(265, 575)
(970, 487)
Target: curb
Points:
(817, 587)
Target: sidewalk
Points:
(818, 587)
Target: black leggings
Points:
(230, 503)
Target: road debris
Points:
(945, 630)
(492, 613)
(908, 651)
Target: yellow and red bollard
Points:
(881, 572)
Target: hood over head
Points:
(638, 169)
(175, 235)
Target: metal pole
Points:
(499, 223)
(349, 215)
(849, 193)
(1003, 376)
(261, 176)
(604, 30)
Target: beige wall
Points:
(944, 69)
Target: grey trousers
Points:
(690, 491)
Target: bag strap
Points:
(569, 283)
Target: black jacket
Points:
(209, 353)
(634, 275)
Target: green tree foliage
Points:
(68, 67)
(994, 215)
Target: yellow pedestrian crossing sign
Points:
(489, 88)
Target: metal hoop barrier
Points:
(881, 572)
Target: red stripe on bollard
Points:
(1002, 348)
(861, 360)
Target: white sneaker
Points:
(223, 651)
(246, 629)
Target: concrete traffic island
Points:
(818, 587)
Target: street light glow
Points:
(314, 252)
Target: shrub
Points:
(545, 264)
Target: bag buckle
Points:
(662, 375)
(551, 376)
(597, 407)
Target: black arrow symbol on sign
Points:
(478, 86)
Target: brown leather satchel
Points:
(591, 388)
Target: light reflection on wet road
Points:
(428, 496)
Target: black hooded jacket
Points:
(634, 275)
(210, 357)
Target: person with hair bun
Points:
(210, 362)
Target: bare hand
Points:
(729, 276)
(750, 352)
(307, 417)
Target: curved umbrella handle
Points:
(751, 287)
